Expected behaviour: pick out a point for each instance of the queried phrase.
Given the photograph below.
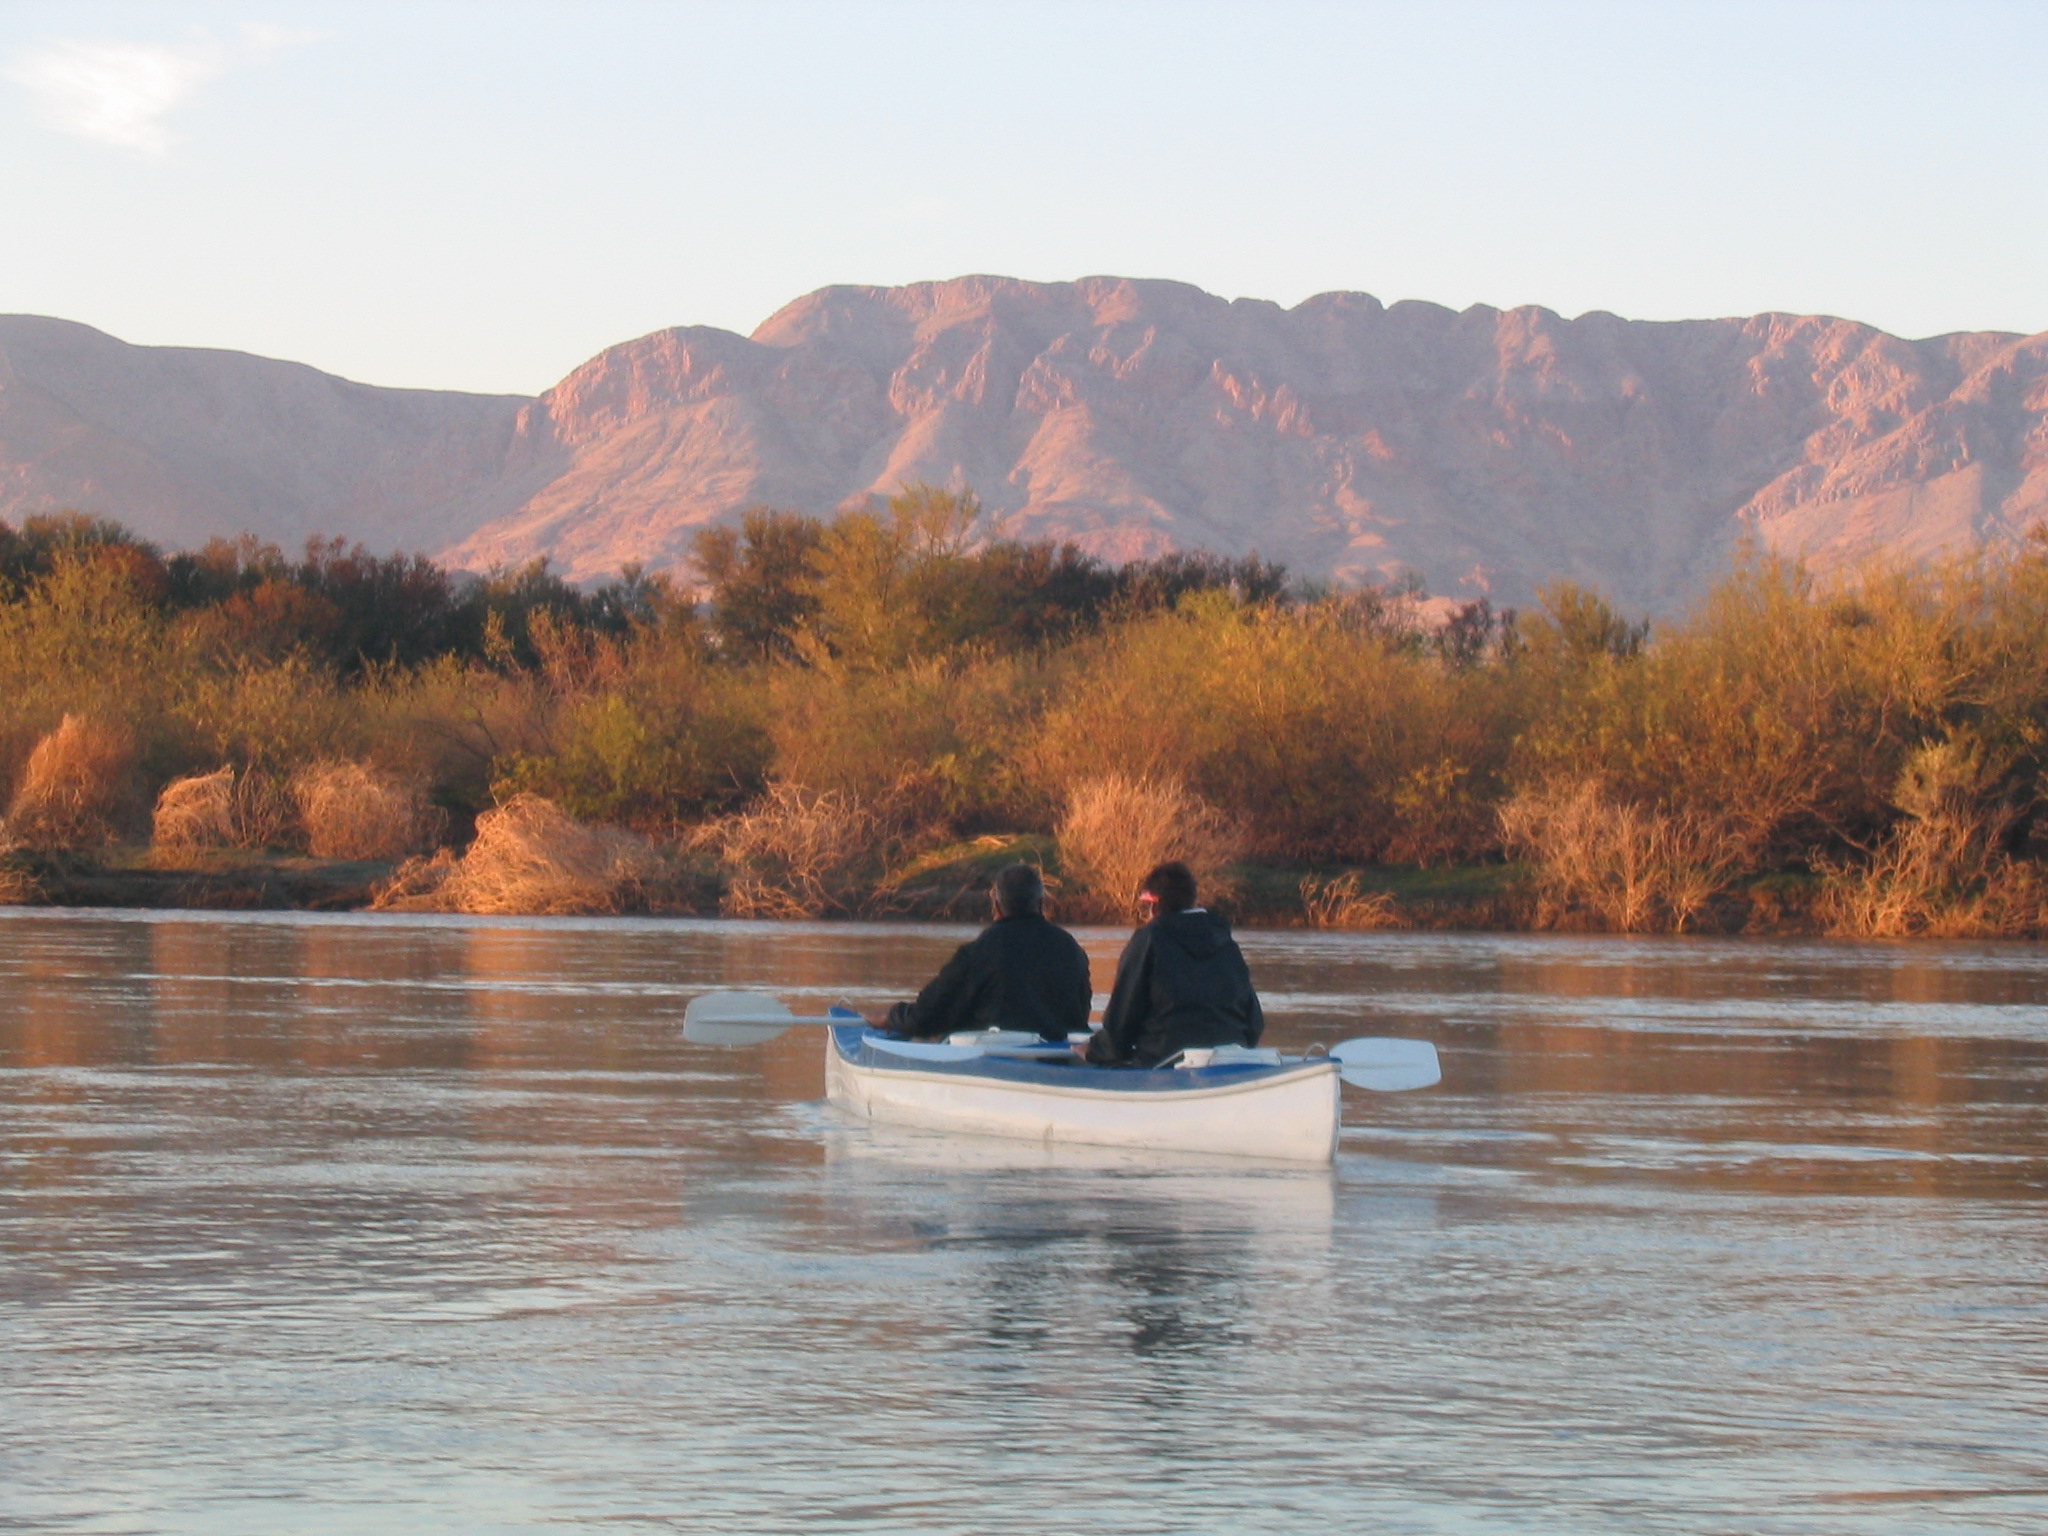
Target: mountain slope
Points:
(184, 443)
(1487, 450)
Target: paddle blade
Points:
(1387, 1065)
(924, 1050)
(735, 1018)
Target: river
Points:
(354, 1224)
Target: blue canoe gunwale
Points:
(851, 1043)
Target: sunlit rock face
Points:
(1488, 451)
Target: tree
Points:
(760, 577)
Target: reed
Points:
(1338, 902)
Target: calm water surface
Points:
(349, 1224)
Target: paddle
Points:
(742, 1018)
(1382, 1064)
(1387, 1065)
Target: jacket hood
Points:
(1201, 934)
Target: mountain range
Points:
(1485, 450)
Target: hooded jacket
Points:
(1023, 972)
(1182, 982)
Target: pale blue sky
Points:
(482, 195)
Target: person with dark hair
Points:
(1021, 973)
(1182, 981)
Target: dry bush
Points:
(351, 811)
(195, 813)
(1930, 877)
(1116, 828)
(1324, 740)
(533, 858)
(224, 809)
(266, 813)
(798, 852)
(951, 727)
(1940, 872)
(77, 788)
(1630, 868)
(416, 885)
(17, 884)
(1339, 903)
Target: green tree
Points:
(760, 576)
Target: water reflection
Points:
(350, 1224)
(1178, 1243)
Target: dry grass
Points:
(530, 857)
(1626, 867)
(352, 811)
(417, 884)
(223, 809)
(800, 853)
(195, 813)
(1116, 828)
(77, 788)
(1339, 903)
(266, 815)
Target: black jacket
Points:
(1182, 982)
(1021, 973)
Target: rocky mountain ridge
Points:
(1485, 450)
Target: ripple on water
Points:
(360, 1223)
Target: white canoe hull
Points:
(1290, 1114)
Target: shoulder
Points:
(989, 938)
(1140, 941)
(1059, 937)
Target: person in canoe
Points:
(1182, 981)
(1022, 972)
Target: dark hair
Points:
(1173, 883)
(1020, 890)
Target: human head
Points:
(1171, 886)
(1019, 890)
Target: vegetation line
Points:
(866, 716)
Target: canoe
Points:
(1286, 1110)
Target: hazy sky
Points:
(481, 195)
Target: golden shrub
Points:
(224, 809)
(798, 852)
(1117, 827)
(195, 813)
(1319, 738)
(1624, 866)
(530, 857)
(77, 787)
(1941, 871)
(352, 811)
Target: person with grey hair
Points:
(1023, 972)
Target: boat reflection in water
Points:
(1188, 1253)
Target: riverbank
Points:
(948, 884)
